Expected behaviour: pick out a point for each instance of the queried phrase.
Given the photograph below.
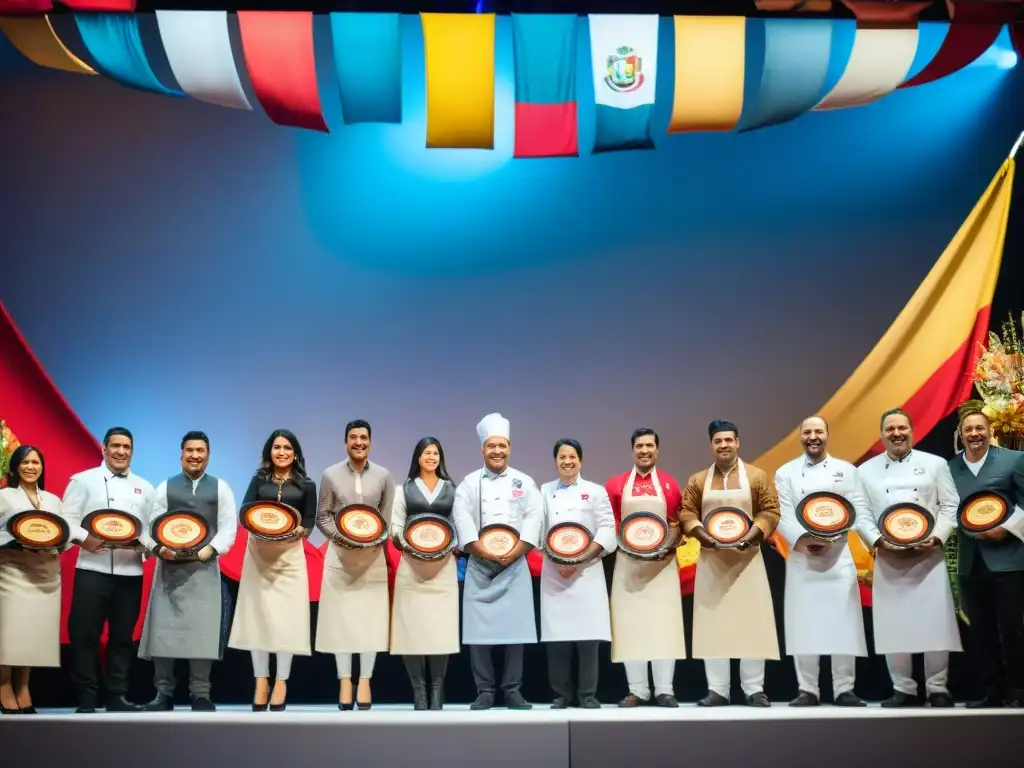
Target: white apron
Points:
(575, 608)
(646, 603)
(733, 613)
(354, 603)
(272, 610)
(823, 614)
(497, 603)
(912, 604)
(425, 617)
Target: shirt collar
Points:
(889, 461)
(809, 463)
(353, 470)
(644, 475)
(562, 485)
(109, 474)
(492, 475)
(979, 461)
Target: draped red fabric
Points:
(278, 51)
(26, 6)
(109, 6)
(974, 27)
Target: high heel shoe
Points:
(29, 710)
(364, 705)
(284, 704)
(345, 707)
(257, 707)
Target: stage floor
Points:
(395, 735)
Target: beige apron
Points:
(353, 616)
(425, 619)
(733, 613)
(29, 609)
(646, 603)
(272, 611)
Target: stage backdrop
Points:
(178, 266)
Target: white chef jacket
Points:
(100, 488)
(511, 498)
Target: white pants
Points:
(808, 672)
(663, 671)
(261, 664)
(719, 676)
(936, 672)
(344, 664)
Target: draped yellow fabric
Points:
(459, 52)
(710, 56)
(37, 41)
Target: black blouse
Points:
(302, 498)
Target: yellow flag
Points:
(37, 41)
(710, 56)
(459, 52)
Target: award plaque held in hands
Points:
(113, 527)
(38, 531)
(906, 525)
(269, 520)
(181, 531)
(727, 525)
(826, 516)
(642, 535)
(567, 543)
(361, 526)
(982, 512)
(429, 536)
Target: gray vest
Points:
(202, 502)
(416, 502)
(998, 473)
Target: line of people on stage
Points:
(642, 617)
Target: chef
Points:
(911, 598)
(497, 600)
(990, 565)
(183, 620)
(823, 615)
(574, 598)
(733, 614)
(354, 615)
(646, 605)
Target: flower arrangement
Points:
(8, 442)
(999, 379)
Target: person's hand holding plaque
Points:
(707, 541)
(166, 553)
(206, 553)
(751, 538)
(810, 545)
(91, 544)
(930, 543)
(996, 534)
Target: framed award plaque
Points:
(825, 515)
(906, 524)
(727, 525)
(567, 543)
(429, 536)
(182, 531)
(38, 530)
(269, 520)
(983, 511)
(113, 527)
(642, 535)
(498, 539)
(361, 526)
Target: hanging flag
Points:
(114, 43)
(36, 40)
(278, 51)
(198, 49)
(808, 6)
(112, 6)
(544, 55)
(796, 56)
(26, 6)
(624, 62)
(884, 47)
(459, 53)
(710, 58)
(368, 64)
(973, 28)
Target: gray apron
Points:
(184, 616)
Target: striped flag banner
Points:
(624, 61)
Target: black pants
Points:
(481, 660)
(995, 607)
(99, 598)
(560, 669)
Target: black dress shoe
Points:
(713, 700)
(484, 700)
(516, 700)
(436, 695)
(121, 704)
(559, 703)
(849, 699)
(758, 699)
(805, 699)
(665, 700)
(86, 709)
(991, 700)
(940, 699)
(203, 704)
(901, 699)
(161, 703)
(590, 702)
(27, 711)
(419, 695)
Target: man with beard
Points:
(733, 613)
(911, 599)
(823, 615)
(183, 620)
(990, 565)
(646, 605)
(497, 600)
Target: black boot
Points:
(438, 665)
(416, 667)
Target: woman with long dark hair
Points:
(425, 614)
(29, 586)
(272, 613)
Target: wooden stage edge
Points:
(540, 738)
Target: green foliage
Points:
(950, 549)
